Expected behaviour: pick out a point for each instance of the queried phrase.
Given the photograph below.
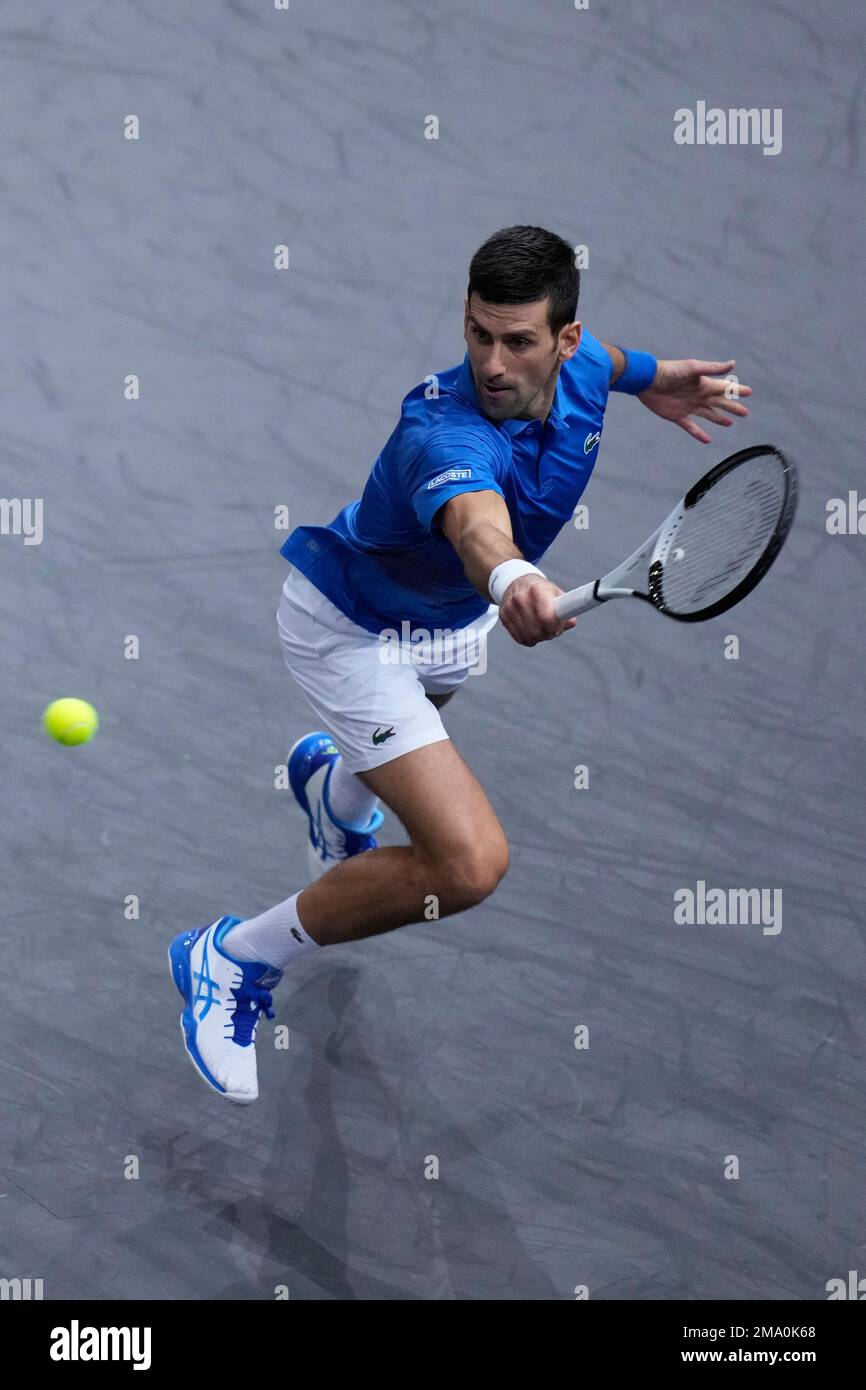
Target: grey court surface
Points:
(601, 1167)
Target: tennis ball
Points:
(70, 721)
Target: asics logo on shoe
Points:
(321, 839)
(206, 987)
(380, 737)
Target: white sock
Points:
(348, 798)
(275, 936)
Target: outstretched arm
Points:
(479, 527)
(683, 389)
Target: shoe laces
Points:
(251, 1001)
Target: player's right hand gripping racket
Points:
(715, 546)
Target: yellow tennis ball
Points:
(70, 721)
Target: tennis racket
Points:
(712, 550)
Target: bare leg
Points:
(457, 852)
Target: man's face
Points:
(515, 358)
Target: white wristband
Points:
(505, 574)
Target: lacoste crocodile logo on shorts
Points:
(380, 737)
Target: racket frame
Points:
(648, 559)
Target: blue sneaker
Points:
(223, 999)
(331, 840)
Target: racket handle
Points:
(577, 601)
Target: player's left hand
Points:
(688, 388)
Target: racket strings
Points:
(723, 536)
(706, 562)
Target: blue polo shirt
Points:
(383, 559)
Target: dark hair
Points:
(520, 265)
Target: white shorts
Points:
(370, 694)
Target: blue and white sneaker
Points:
(331, 840)
(224, 999)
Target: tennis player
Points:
(386, 610)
